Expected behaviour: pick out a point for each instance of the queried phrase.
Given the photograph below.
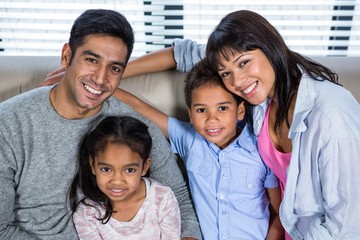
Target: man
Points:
(41, 129)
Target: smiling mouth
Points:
(91, 90)
(117, 192)
(213, 132)
(250, 88)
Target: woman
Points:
(308, 126)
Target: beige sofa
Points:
(164, 90)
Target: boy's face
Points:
(92, 76)
(214, 113)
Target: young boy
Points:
(235, 195)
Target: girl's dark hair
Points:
(244, 30)
(127, 131)
(101, 21)
(203, 74)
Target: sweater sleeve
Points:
(8, 168)
(164, 168)
(187, 53)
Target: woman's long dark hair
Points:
(111, 130)
(244, 30)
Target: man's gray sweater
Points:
(38, 155)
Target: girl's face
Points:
(214, 113)
(118, 171)
(248, 74)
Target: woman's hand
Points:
(53, 77)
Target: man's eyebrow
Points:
(88, 52)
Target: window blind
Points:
(313, 28)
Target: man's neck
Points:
(64, 105)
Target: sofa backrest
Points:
(164, 90)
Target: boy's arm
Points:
(276, 231)
(145, 109)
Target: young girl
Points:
(118, 202)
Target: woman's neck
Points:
(279, 134)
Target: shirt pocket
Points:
(248, 192)
(197, 165)
(250, 181)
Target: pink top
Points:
(158, 218)
(277, 161)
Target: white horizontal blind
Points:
(42, 27)
(314, 28)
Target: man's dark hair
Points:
(101, 21)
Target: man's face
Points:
(93, 75)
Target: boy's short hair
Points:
(203, 74)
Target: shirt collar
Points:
(304, 103)
(246, 140)
(259, 115)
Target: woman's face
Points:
(248, 74)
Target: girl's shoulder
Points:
(157, 189)
(89, 208)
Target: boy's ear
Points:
(190, 117)
(146, 166)
(65, 55)
(241, 111)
